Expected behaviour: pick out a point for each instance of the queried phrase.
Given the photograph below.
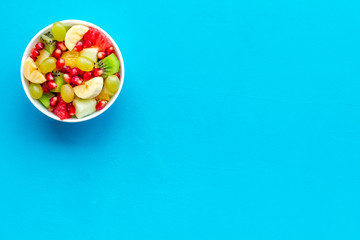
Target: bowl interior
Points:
(37, 104)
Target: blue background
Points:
(237, 120)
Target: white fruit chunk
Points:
(31, 73)
(84, 107)
(89, 89)
(43, 55)
(74, 34)
(90, 53)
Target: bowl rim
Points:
(38, 105)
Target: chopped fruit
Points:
(74, 34)
(49, 41)
(74, 72)
(66, 69)
(78, 46)
(31, 72)
(70, 58)
(61, 109)
(87, 76)
(49, 77)
(57, 53)
(76, 80)
(71, 109)
(87, 44)
(43, 55)
(103, 96)
(90, 53)
(89, 89)
(60, 63)
(109, 51)
(112, 83)
(44, 88)
(45, 99)
(40, 46)
(81, 73)
(59, 31)
(98, 39)
(35, 90)
(67, 77)
(61, 45)
(35, 52)
(85, 64)
(33, 58)
(101, 55)
(59, 80)
(53, 101)
(84, 107)
(110, 65)
(98, 72)
(67, 93)
(48, 65)
(100, 105)
(51, 85)
(118, 75)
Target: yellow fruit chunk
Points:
(31, 72)
(103, 96)
(70, 58)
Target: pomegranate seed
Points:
(109, 51)
(50, 109)
(40, 46)
(60, 63)
(71, 109)
(49, 77)
(57, 53)
(53, 101)
(76, 80)
(81, 73)
(101, 55)
(67, 77)
(78, 46)
(118, 75)
(74, 72)
(98, 72)
(66, 69)
(87, 76)
(45, 89)
(33, 58)
(61, 45)
(51, 85)
(100, 105)
(87, 44)
(35, 52)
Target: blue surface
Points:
(237, 120)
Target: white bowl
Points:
(37, 103)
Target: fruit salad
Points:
(73, 71)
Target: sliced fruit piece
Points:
(110, 65)
(84, 107)
(43, 55)
(90, 53)
(59, 31)
(48, 65)
(49, 41)
(60, 109)
(89, 89)
(35, 90)
(70, 58)
(32, 73)
(84, 64)
(98, 38)
(59, 80)
(103, 96)
(45, 99)
(74, 34)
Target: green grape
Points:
(48, 65)
(35, 90)
(59, 31)
(112, 83)
(84, 64)
(67, 93)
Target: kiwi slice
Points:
(45, 99)
(110, 65)
(49, 41)
(59, 80)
